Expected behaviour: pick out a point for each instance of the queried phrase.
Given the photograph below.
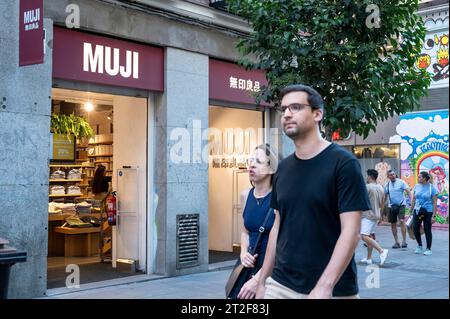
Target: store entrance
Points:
(84, 173)
(234, 133)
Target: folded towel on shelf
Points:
(83, 208)
(54, 209)
(57, 190)
(73, 190)
(74, 174)
(58, 174)
(65, 208)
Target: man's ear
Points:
(318, 115)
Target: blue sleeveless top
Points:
(254, 214)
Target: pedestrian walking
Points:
(318, 195)
(424, 202)
(257, 213)
(371, 217)
(394, 193)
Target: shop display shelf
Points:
(64, 195)
(102, 143)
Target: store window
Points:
(381, 157)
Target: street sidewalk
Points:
(403, 276)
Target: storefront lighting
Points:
(88, 106)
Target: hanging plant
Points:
(71, 124)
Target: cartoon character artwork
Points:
(434, 57)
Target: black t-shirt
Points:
(310, 195)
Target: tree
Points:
(359, 55)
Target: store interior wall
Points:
(220, 180)
(130, 149)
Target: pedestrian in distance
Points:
(394, 193)
(371, 217)
(424, 202)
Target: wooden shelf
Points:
(64, 195)
(107, 155)
(70, 165)
(64, 180)
(102, 143)
(103, 162)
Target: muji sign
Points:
(106, 59)
(31, 32)
(85, 57)
(232, 83)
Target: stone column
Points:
(25, 106)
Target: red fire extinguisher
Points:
(111, 203)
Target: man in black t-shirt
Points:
(318, 196)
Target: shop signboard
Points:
(63, 147)
(84, 57)
(424, 147)
(231, 83)
(31, 32)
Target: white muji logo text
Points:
(31, 19)
(106, 59)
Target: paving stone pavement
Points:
(404, 275)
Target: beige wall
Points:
(220, 187)
(100, 119)
(130, 148)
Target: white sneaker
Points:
(427, 252)
(419, 250)
(366, 261)
(383, 256)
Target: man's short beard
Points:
(293, 134)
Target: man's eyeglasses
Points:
(293, 108)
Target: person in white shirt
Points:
(371, 217)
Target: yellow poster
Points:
(63, 147)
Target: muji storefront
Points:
(237, 125)
(112, 84)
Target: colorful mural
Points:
(424, 147)
(434, 57)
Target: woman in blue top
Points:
(424, 201)
(261, 166)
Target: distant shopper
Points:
(424, 202)
(394, 191)
(101, 182)
(371, 217)
(261, 166)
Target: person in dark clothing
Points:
(262, 164)
(318, 194)
(101, 182)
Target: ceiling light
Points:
(88, 106)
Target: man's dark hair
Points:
(314, 98)
(391, 171)
(372, 173)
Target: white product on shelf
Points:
(74, 174)
(57, 190)
(73, 190)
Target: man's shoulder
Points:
(341, 154)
